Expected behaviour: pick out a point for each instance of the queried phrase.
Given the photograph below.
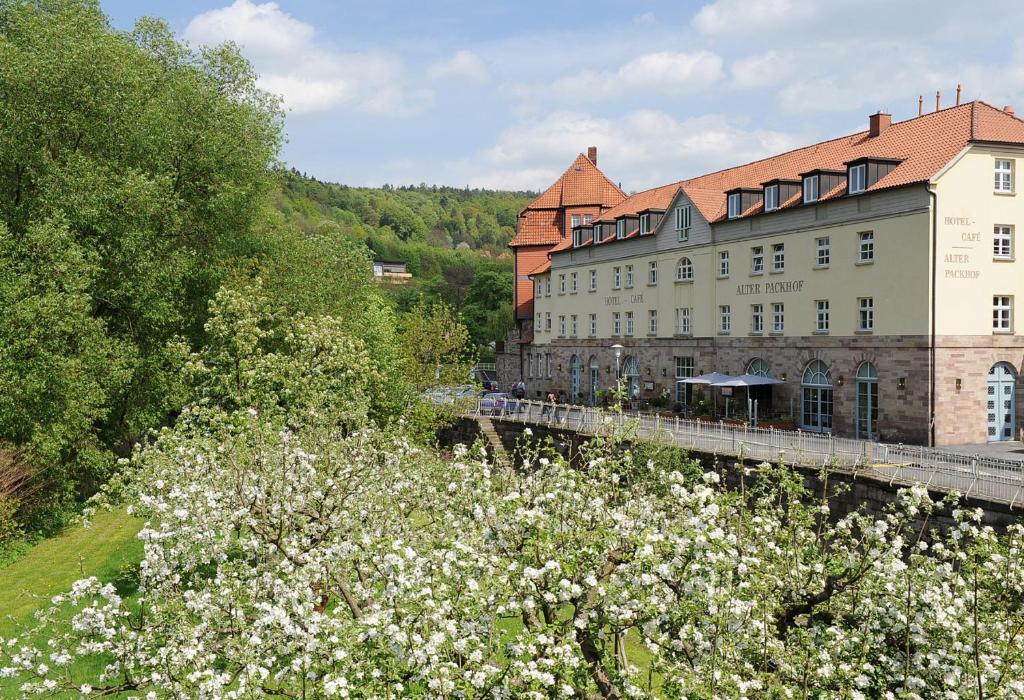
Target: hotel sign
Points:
(769, 288)
(633, 299)
(958, 264)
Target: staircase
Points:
(493, 440)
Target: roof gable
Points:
(582, 184)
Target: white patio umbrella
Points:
(747, 380)
(708, 378)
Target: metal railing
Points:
(985, 478)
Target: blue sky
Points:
(505, 94)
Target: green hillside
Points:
(454, 241)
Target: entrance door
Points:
(631, 379)
(595, 377)
(867, 402)
(577, 378)
(816, 397)
(1002, 424)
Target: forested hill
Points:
(454, 241)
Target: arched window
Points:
(684, 270)
(576, 374)
(631, 377)
(867, 401)
(758, 367)
(1002, 412)
(816, 397)
(595, 378)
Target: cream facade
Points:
(891, 314)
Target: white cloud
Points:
(309, 76)
(464, 65)
(643, 148)
(661, 72)
(647, 19)
(746, 16)
(763, 70)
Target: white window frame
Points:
(684, 273)
(1002, 242)
(723, 264)
(539, 325)
(561, 325)
(778, 317)
(575, 220)
(757, 260)
(683, 321)
(823, 253)
(857, 178)
(577, 237)
(630, 327)
(771, 198)
(865, 314)
(684, 221)
(757, 319)
(547, 321)
(724, 319)
(1004, 168)
(561, 283)
(1002, 313)
(616, 277)
(573, 325)
(652, 272)
(629, 276)
(811, 189)
(593, 325)
(616, 323)
(645, 224)
(593, 280)
(538, 287)
(547, 287)
(822, 315)
(587, 218)
(778, 257)
(865, 247)
(652, 321)
(735, 205)
(620, 229)
(573, 283)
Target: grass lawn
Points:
(51, 566)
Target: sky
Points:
(503, 95)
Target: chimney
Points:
(938, 100)
(920, 105)
(592, 154)
(958, 94)
(877, 123)
(1009, 110)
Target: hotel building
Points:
(875, 274)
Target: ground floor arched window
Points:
(761, 394)
(867, 402)
(631, 378)
(816, 397)
(595, 378)
(576, 378)
(1001, 402)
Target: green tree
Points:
(437, 345)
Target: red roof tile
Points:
(583, 184)
(922, 145)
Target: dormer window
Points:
(735, 205)
(577, 237)
(620, 229)
(771, 197)
(645, 224)
(857, 178)
(683, 222)
(810, 189)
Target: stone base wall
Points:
(903, 364)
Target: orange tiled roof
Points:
(537, 227)
(923, 145)
(582, 184)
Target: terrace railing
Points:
(985, 478)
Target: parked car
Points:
(498, 403)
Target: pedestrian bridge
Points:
(988, 479)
